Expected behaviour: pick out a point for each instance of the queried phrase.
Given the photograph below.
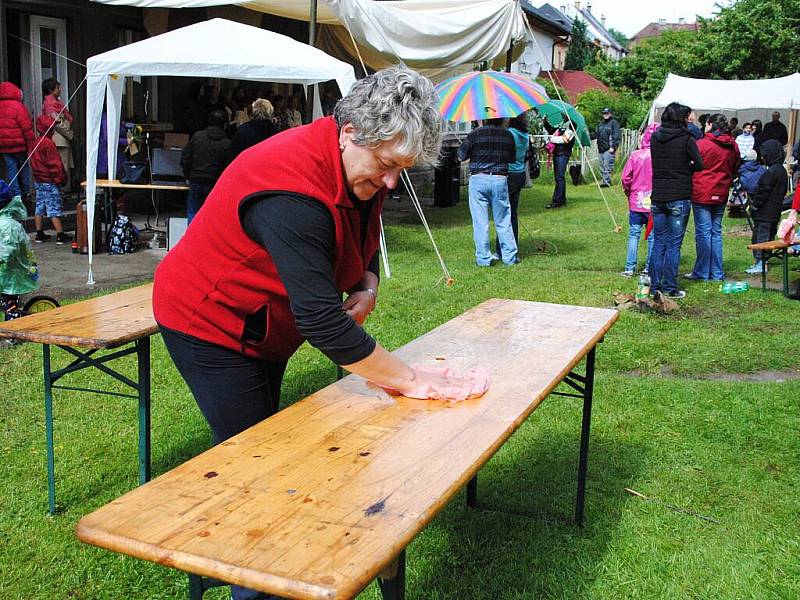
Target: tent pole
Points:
(508, 56)
(312, 39)
(792, 137)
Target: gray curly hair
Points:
(394, 103)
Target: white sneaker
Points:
(756, 269)
(627, 273)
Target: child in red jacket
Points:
(48, 176)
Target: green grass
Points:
(727, 450)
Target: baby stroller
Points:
(739, 203)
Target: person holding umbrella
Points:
(490, 148)
(560, 143)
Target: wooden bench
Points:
(122, 320)
(773, 249)
(323, 497)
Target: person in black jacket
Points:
(767, 201)
(775, 130)
(675, 158)
(203, 160)
(256, 130)
(608, 136)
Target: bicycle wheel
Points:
(39, 304)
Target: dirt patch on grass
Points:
(760, 376)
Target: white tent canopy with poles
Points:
(746, 99)
(424, 34)
(215, 48)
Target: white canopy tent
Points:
(745, 99)
(424, 34)
(215, 48)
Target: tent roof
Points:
(425, 34)
(731, 95)
(221, 48)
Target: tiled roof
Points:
(656, 29)
(558, 24)
(556, 16)
(575, 82)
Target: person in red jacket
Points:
(48, 175)
(795, 206)
(710, 189)
(292, 223)
(16, 138)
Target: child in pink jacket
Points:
(637, 181)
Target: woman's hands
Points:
(419, 381)
(440, 383)
(359, 304)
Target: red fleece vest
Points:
(216, 276)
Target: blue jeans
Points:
(607, 165)
(560, 162)
(487, 191)
(708, 240)
(638, 223)
(669, 226)
(198, 191)
(19, 176)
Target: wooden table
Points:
(121, 320)
(324, 496)
(114, 184)
(773, 249)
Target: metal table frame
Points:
(783, 254)
(85, 360)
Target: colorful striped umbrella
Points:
(488, 95)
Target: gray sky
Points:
(629, 16)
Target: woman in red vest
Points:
(291, 224)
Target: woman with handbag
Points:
(63, 134)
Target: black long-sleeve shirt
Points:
(299, 234)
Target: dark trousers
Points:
(515, 183)
(560, 162)
(763, 231)
(198, 191)
(234, 392)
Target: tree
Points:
(619, 36)
(748, 39)
(579, 53)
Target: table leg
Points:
(764, 259)
(392, 580)
(785, 256)
(472, 492)
(48, 425)
(143, 356)
(584, 451)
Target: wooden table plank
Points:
(314, 501)
(104, 322)
(116, 184)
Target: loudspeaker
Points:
(176, 227)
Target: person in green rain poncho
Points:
(18, 271)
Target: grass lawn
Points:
(679, 415)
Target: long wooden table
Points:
(324, 496)
(121, 320)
